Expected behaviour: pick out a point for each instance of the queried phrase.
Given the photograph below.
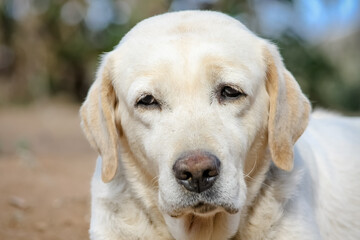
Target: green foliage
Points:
(318, 77)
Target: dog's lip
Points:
(198, 209)
(203, 208)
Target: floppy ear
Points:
(288, 111)
(98, 120)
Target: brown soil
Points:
(45, 170)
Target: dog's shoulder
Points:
(329, 150)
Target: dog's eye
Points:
(228, 92)
(147, 100)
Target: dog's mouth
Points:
(217, 199)
(204, 209)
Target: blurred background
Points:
(49, 52)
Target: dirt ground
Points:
(45, 170)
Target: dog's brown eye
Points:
(147, 100)
(228, 92)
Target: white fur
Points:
(181, 59)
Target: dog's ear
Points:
(98, 120)
(288, 111)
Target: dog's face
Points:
(197, 100)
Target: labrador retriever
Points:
(195, 119)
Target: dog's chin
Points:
(202, 209)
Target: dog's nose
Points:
(197, 171)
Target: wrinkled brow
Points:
(217, 67)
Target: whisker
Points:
(255, 180)
(253, 168)
(154, 182)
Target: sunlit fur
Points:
(267, 187)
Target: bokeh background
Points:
(49, 52)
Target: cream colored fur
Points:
(275, 181)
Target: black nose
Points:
(197, 171)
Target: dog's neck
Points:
(220, 225)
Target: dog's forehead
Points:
(204, 26)
(185, 22)
(182, 42)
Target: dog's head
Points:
(200, 102)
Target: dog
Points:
(202, 133)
